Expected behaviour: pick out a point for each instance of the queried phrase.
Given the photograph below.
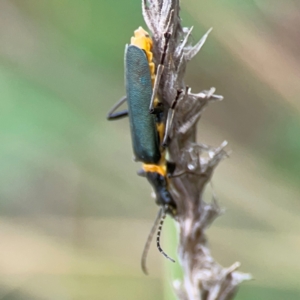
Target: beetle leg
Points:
(141, 173)
(112, 115)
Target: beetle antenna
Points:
(148, 242)
(158, 237)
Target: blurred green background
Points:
(74, 215)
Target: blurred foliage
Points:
(74, 215)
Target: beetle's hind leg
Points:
(113, 115)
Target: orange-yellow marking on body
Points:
(143, 40)
(160, 127)
(155, 169)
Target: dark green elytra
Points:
(144, 135)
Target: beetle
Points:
(147, 124)
(147, 129)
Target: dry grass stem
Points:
(204, 278)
